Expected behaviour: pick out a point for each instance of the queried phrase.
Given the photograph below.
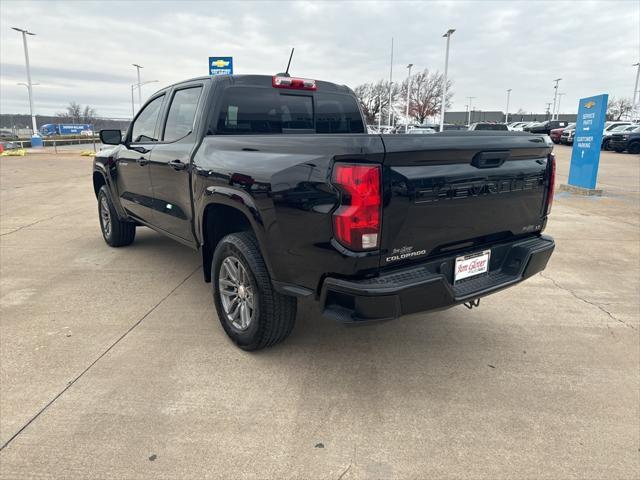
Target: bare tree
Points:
(374, 99)
(76, 114)
(426, 94)
(619, 108)
(89, 114)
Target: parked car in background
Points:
(629, 141)
(556, 133)
(546, 127)
(500, 127)
(513, 126)
(10, 145)
(606, 138)
(404, 128)
(609, 126)
(567, 135)
(421, 130)
(521, 127)
(8, 135)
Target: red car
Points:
(556, 133)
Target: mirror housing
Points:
(111, 137)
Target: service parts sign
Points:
(220, 65)
(585, 157)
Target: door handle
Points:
(177, 165)
(142, 161)
(490, 159)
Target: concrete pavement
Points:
(113, 363)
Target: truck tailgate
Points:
(459, 191)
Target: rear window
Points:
(265, 111)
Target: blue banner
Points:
(220, 65)
(585, 157)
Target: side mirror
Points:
(111, 137)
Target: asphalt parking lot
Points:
(113, 364)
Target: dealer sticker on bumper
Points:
(471, 265)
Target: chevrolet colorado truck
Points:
(275, 180)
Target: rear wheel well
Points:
(98, 182)
(218, 221)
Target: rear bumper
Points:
(429, 286)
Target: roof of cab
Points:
(256, 81)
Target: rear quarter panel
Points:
(281, 183)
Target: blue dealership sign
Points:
(585, 157)
(220, 65)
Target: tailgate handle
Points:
(490, 159)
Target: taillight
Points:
(356, 222)
(294, 83)
(552, 181)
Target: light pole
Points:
(506, 115)
(138, 67)
(549, 107)
(390, 79)
(469, 119)
(555, 97)
(38, 142)
(380, 112)
(560, 95)
(408, 94)
(133, 86)
(635, 108)
(446, 68)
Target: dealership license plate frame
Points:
(461, 274)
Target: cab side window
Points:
(182, 113)
(144, 128)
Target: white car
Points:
(516, 125)
(421, 131)
(608, 126)
(87, 133)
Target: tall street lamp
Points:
(635, 108)
(560, 95)
(446, 68)
(555, 97)
(469, 118)
(408, 93)
(35, 142)
(133, 86)
(506, 115)
(390, 80)
(138, 67)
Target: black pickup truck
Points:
(276, 182)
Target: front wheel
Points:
(634, 148)
(251, 312)
(116, 233)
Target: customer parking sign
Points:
(585, 157)
(220, 65)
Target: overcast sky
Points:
(83, 51)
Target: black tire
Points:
(272, 315)
(634, 148)
(116, 233)
(619, 150)
(605, 145)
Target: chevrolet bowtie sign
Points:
(220, 65)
